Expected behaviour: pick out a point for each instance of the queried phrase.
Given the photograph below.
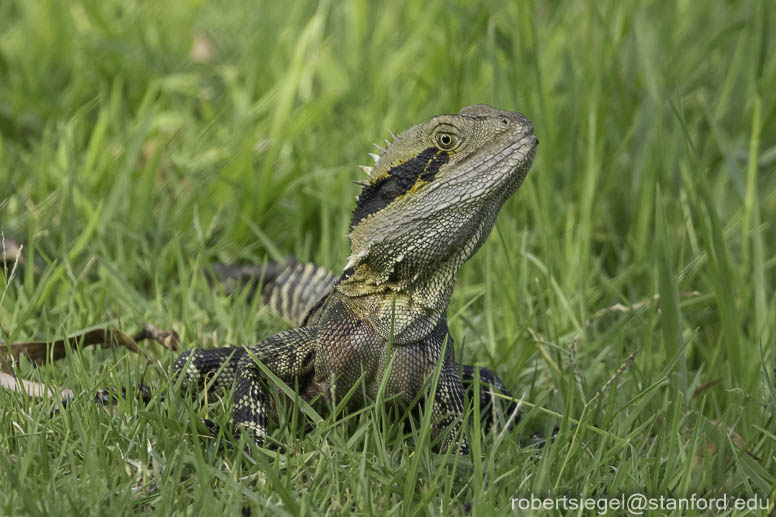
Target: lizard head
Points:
(434, 193)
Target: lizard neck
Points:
(409, 290)
(408, 303)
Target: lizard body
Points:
(430, 202)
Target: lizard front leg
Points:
(215, 367)
(447, 410)
(288, 354)
(490, 384)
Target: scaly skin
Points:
(429, 204)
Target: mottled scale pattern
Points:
(197, 367)
(431, 201)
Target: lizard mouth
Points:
(531, 137)
(512, 162)
(529, 142)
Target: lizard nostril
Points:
(505, 121)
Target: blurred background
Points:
(141, 140)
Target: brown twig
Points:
(40, 352)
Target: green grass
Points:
(126, 165)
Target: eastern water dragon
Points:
(429, 203)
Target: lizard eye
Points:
(446, 141)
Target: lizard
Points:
(429, 203)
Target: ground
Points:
(141, 140)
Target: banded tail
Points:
(292, 290)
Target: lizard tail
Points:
(292, 290)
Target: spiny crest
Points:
(368, 170)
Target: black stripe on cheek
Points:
(400, 179)
(437, 160)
